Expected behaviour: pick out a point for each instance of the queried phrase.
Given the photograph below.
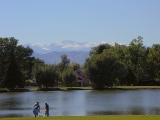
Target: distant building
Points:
(82, 80)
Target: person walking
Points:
(46, 110)
(36, 109)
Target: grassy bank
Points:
(44, 89)
(110, 117)
(136, 87)
(112, 88)
(77, 88)
(65, 88)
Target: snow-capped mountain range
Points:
(65, 45)
(50, 54)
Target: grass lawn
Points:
(109, 117)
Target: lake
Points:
(82, 102)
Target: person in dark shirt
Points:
(46, 110)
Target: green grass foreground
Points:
(110, 117)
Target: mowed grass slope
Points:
(110, 117)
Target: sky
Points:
(93, 21)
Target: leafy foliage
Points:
(68, 77)
(124, 65)
(15, 63)
(46, 76)
(103, 69)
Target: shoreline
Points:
(32, 89)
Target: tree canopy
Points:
(133, 64)
(15, 63)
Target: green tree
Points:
(99, 49)
(65, 61)
(46, 76)
(68, 77)
(63, 65)
(37, 65)
(134, 55)
(135, 51)
(120, 51)
(153, 63)
(75, 66)
(15, 63)
(141, 71)
(13, 76)
(104, 69)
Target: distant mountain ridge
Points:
(54, 57)
(50, 54)
(65, 45)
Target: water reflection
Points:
(82, 103)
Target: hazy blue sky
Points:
(48, 21)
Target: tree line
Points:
(18, 67)
(133, 64)
(107, 66)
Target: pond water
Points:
(82, 102)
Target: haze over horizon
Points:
(93, 21)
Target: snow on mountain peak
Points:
(65, 45)
(42, 46)
(70, 45)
